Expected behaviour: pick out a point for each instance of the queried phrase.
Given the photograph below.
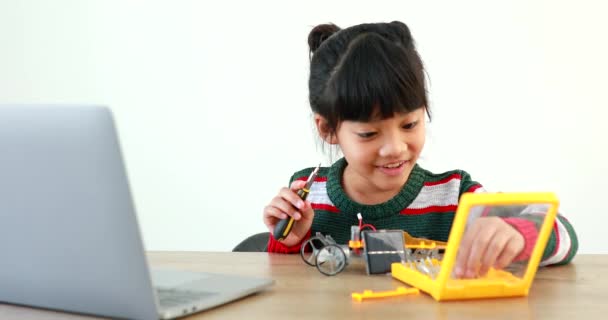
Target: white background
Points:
(210, 98)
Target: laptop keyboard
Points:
(169, 298)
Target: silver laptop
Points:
(69, 238)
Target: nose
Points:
(393, 146)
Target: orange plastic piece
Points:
(421, 243)
(355, 244)
(369, 294)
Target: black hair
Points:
(363, 72)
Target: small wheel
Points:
(310, 249)
(331, 260)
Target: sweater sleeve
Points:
(563, 242)
(562, 245)
(275, 246)
(530, 233)
(469, 185)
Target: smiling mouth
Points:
(393, 165)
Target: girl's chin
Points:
(390, 183)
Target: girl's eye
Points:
(366, 134)
(410, 125)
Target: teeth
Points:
(394, 165)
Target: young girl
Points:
(368, 96)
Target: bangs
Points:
(375, 80)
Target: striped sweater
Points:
(425, 207)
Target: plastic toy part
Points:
(331, 260)
(421, 243)
(324, 253)
(310, 248)
(435, 275)
(381, 249)
(369, 294)
(355, 244)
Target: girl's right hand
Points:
(287, 203)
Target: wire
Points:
(367, 225)
(361, 225)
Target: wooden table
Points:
(575, 291)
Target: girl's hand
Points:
(488, 242)
(288, 203)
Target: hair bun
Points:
(319, 34)
(403, 32)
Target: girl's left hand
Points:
(488, 242)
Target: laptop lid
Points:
(69, 238)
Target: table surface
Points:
(301, 292)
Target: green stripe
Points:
(434, 177)
(552, 243)
(573, 241)
(550, 248)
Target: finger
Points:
(508, 253)
(272, 214)
(306, 211)
(499, 241)
(292, 197)
(464, 249)
(478, 250)
(286, 207)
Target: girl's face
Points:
(380, 154)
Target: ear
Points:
(326, 133)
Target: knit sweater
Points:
(425, 207)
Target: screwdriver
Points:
(284, 226)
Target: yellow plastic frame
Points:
(497, 283)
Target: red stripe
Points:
(556, 238)
(444, 180)
(412, 211)
(326, 207)
(486, 211)
(473, 188)
(317, 179)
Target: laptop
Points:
(69, 238)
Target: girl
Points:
(368, 96)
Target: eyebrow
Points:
(377, 118)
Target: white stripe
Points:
(563, 247)
(475, 211)
(318, 194)
(539, 208)
(479, 190)
(444, 194)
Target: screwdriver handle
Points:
(284, 226)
